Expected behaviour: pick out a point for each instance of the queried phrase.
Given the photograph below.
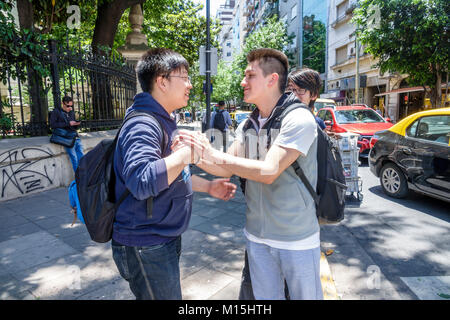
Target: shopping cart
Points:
(347, 144)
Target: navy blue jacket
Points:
(61, 119)
(139, 166)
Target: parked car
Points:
(414, 154)
(239, 117)
(323, 103)
(357, 119)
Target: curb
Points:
(326, 278)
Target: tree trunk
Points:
(108, 17)
(438, 88)
(39, 105)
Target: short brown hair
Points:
(271, 61)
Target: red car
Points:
(357, 119)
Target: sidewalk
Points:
(43, 257)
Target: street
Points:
(388, 248)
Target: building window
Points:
(294, 12)
(340, 9)
(284, 19)
(341, 54)
(228, 54)
(229, 44)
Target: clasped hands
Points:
(196, 142)
(196, 147)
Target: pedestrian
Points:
(146, 239)
(64, 118)
(220, 121)
(187, 116)
(282, 230)
(305, 83)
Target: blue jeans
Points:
(270, 266)
(75, 153)
(152, 272)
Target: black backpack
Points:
(95, 179)
(329, 195)
(219, 120)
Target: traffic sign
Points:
(202, 57)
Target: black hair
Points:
(67, 99)
(221, 103)
(308, 79)
(271, 61)
(158, 62)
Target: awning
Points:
(405, 90)
(401, 90)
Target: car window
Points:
(358, 116)
(412, 129)
(321, 114)
(434, 128)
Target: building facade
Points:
(225, 37)
(342, 66)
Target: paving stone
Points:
(5, 212)
(81, 241)
(11, 221)
(68, 277)
(53, 222)
(229, 292)
(191, 238)
(11, 288)
(34, 249)
(227, 233)
(118, 289)
(231, 263)
(19, 231)
(196, 220)
(204, 284)
(231, 219)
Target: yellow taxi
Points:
(414, 154)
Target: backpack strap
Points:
(298, 170)
(165, 140)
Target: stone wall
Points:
(31, 165)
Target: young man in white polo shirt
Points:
(283, 239)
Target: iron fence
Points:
(102, 88)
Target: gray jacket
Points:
(283, 210)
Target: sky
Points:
(214, 5)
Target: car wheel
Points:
(393, 181)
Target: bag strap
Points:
(131, 115)
(298, 170)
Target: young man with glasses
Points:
(146, 240)
(282, 231)
(64, 118)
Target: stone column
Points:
(136, 42)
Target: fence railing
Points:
(102, 89)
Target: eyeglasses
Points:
(298, 92)
(185, 78)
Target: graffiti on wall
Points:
(25, 170)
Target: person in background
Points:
(305, 83)
(64, 118)
(221, 120)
